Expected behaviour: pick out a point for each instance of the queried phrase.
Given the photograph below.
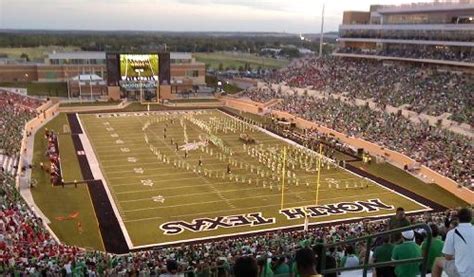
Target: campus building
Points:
(439, 32)
(74, 68)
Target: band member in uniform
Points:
(200, 161)
(229, 171)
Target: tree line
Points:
(146, 41)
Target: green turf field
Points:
(35, 53)
(230, 60)
(163, 197)
(56, 202)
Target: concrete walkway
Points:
(25, 177)
(92, 108)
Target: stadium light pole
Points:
(321, 34)
(80, 90)
(67, 84)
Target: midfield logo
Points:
(257, 219)
(209, 224)
(372, 205)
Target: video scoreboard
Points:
(134, 71)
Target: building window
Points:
(192, 73)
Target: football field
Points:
(191, 175)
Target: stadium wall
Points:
(395, 158)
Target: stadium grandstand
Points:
(439, 32)
(379, 133)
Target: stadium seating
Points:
(424, 89)
(433, 147)
(26, 247)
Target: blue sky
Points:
(293, 16)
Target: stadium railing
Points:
(368, 242)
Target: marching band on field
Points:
(268, 170)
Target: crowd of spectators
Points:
(417, 34)
(448, 153)
(15, 111)
(26, 247)
(424, 89)
(416, 52)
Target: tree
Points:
(25, 56)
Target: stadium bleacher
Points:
(26, 247)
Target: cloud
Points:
(267, 5)
(179, 15)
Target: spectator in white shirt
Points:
(458, 249)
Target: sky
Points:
(292, 16)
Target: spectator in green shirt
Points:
(279, 266)
(264, 267)
(383, 253)
(408, 249)
(435, 248)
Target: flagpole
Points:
(319, 172)
(321, 35)
(283, 178)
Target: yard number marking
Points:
(132, 159)
(147, 182)
(158, 198)
(138, 170)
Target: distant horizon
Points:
(266, 16)
(160, 31)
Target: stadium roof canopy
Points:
(87, 77)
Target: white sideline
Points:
(97, 173)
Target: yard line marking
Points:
(155, 181)
(205, 185)
(207, 193)
(328, 200)
(128, 176)
(241, 198)
(200, 177)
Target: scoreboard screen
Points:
(139, 67)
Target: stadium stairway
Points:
(9, 164)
